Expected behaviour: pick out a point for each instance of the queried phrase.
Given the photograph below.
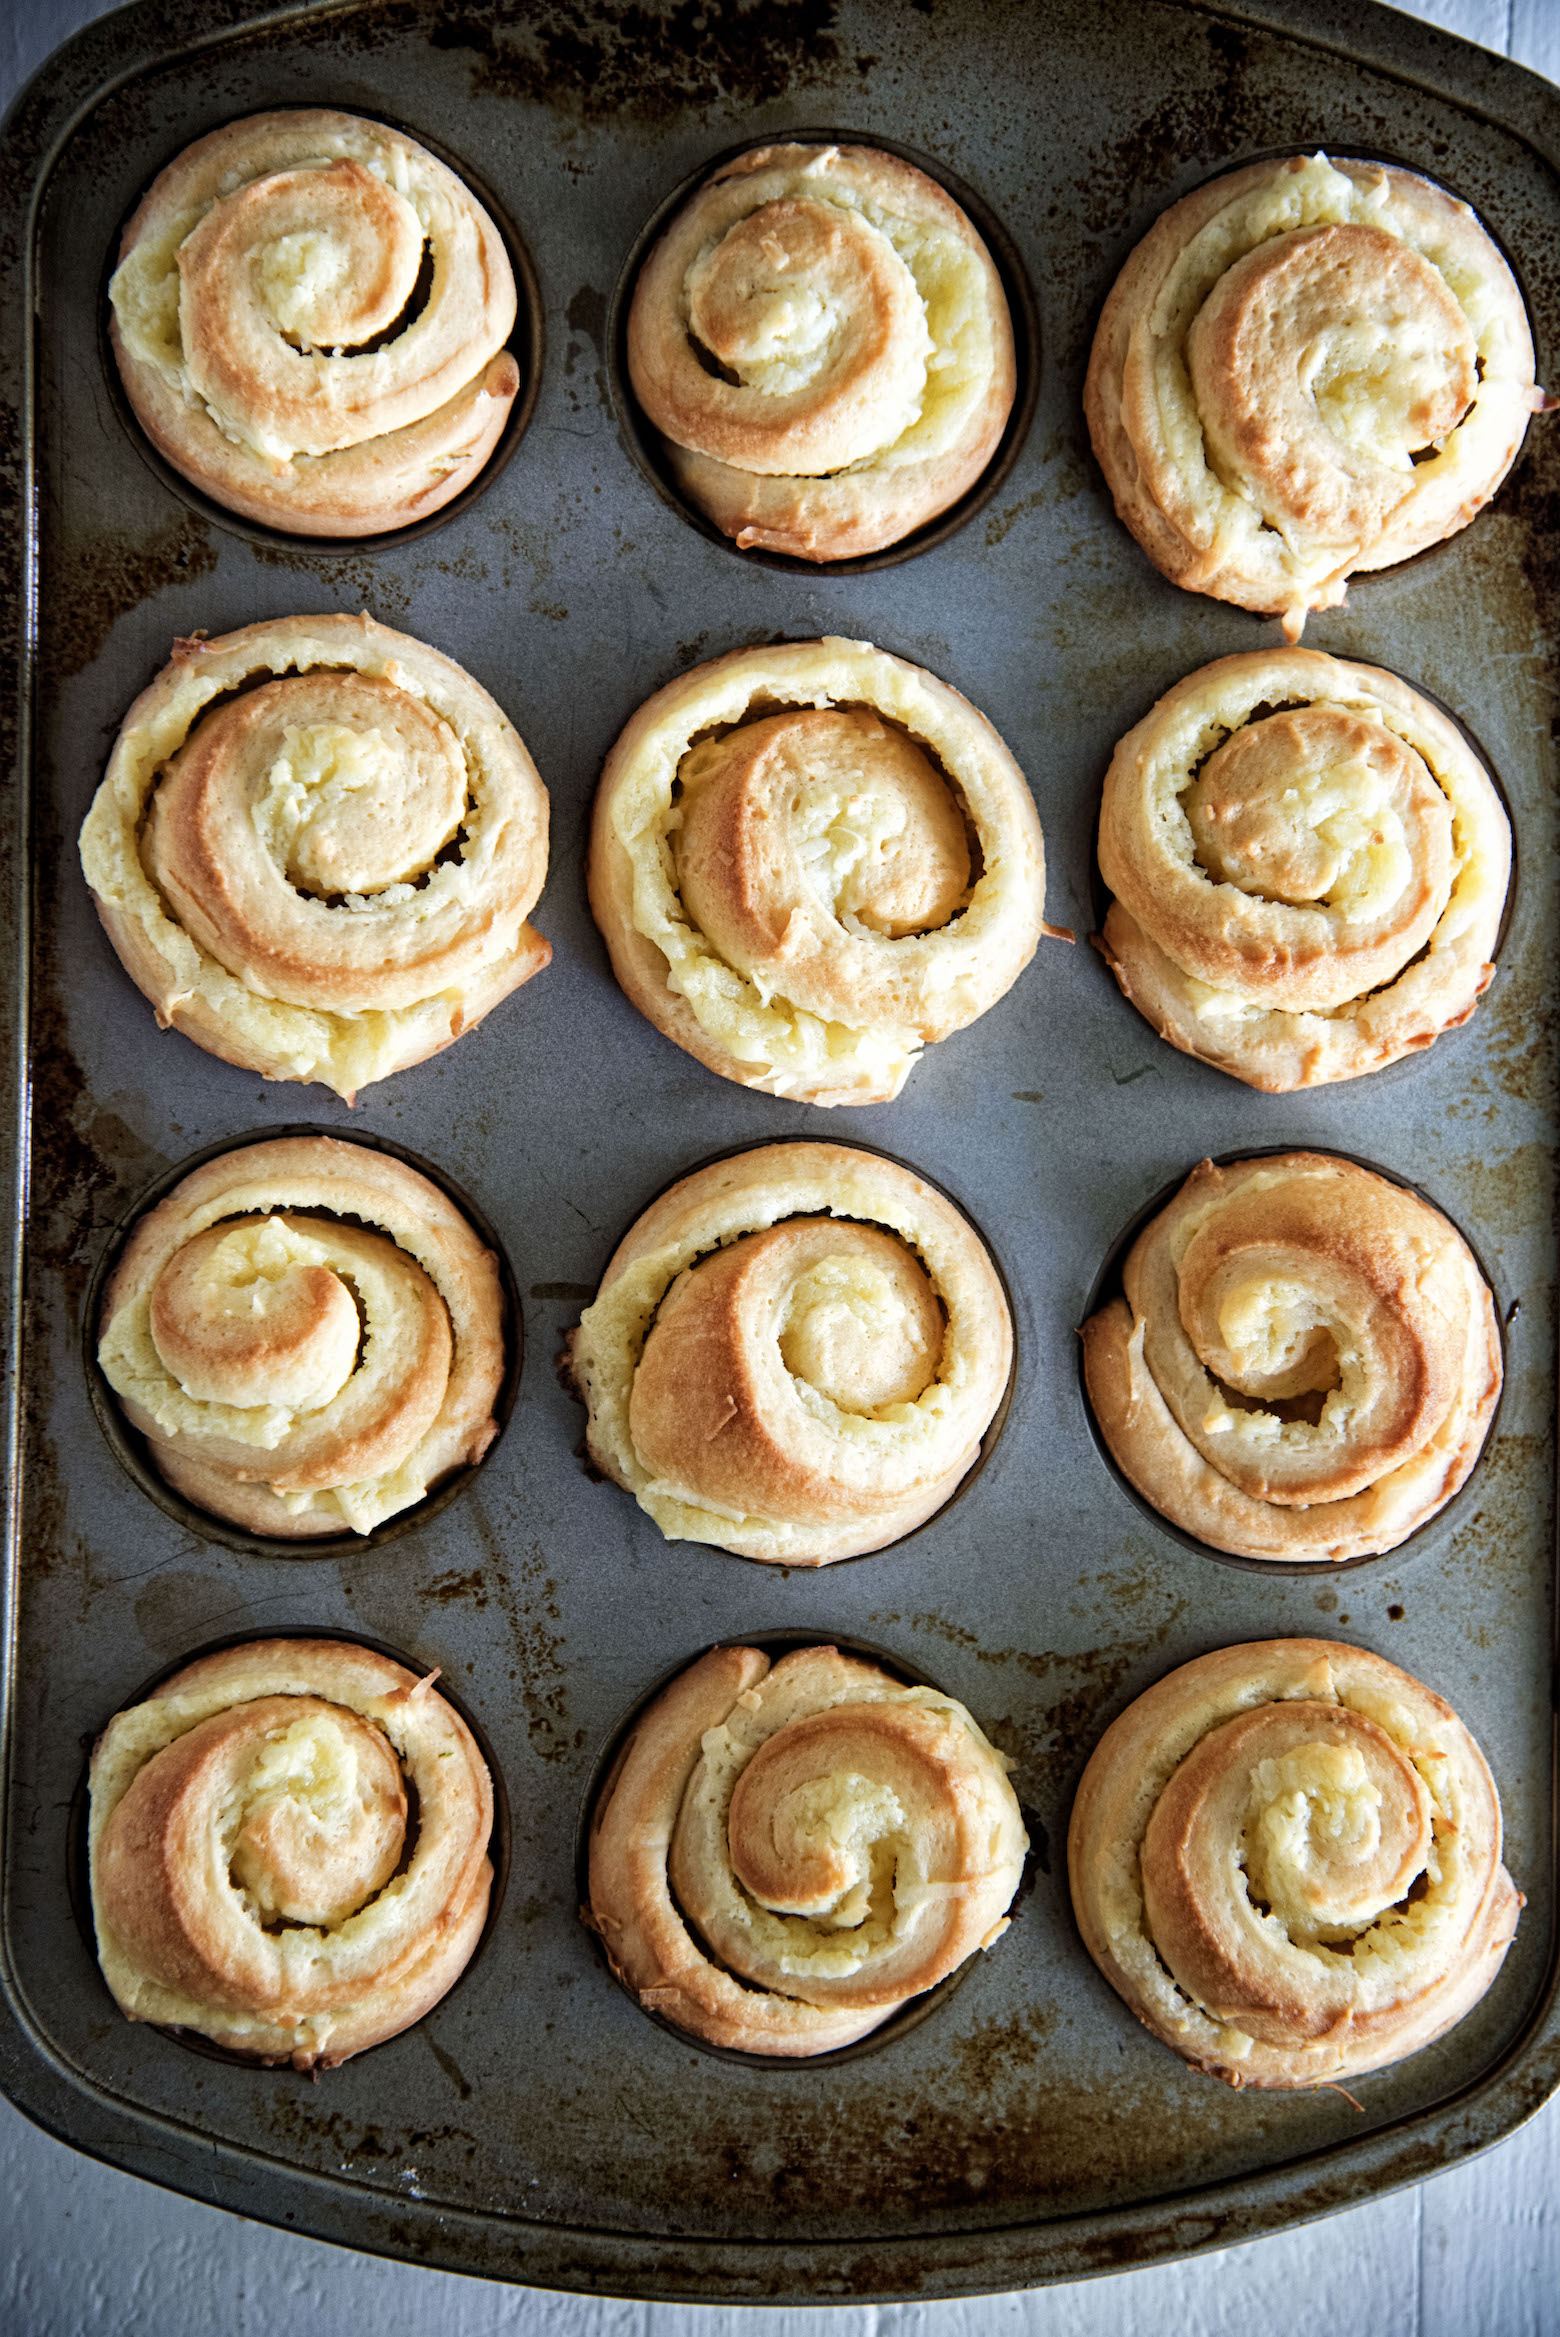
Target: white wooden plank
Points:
(1491, 2239)
(1355, 2272)
(1535, 35)
(1476, 20)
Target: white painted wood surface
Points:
(1474, 2253)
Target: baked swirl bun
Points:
(308, 1334)
(811, 859)
(781, 1858)
(823, 342)
(289, 1850)
(794, 1354)
(1285, 1857)
(316, 848)
(1309, 865)
(1307, 369)
(1305, 1364)
(310, 314)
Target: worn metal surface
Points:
(536, 2125)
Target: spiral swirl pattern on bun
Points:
(1305, 370)
(824, 343)
(1305, 1364)
(781, 1858)
(316, 848)
(310, 314)
(1286, 1858)
(1309, 865)
(794, 1354)
(810, 860)
(308, 1334)
(261, 1873)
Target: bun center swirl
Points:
(297, 817)
(780, 1858)
(1305, 1361)
(299, 315)
(255, 1315)
(1319, 806)
(818, 338)
(1322, 363)
(843, 1858)
(1333, 1829)
(1312, 1336)
(303, 1809)
(808, 832)
(299, 1350)
(793, 1357)
(320, 1816)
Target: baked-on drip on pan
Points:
(309, 315)
(289, 1850)
(794, 1354)
(316, 848)
(1309, 864)
(1305, 370)
(1286, 1858)
(309, 1335)
(824, 343)
(810, 860)
(1305, 1363)
(781, 1858)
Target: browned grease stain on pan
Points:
(516, 1578)
(1515, 1478)
(95, 584)
(1051, 1738)
(646, 63)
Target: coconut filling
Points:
(314, 790)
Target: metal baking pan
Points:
(536, 2126)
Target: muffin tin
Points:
(536, 2126)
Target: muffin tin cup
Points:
(527, 344)
(644, 442)
(78, 1881)
(130, 1448)
(1107, 1285)
(910, 2015)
